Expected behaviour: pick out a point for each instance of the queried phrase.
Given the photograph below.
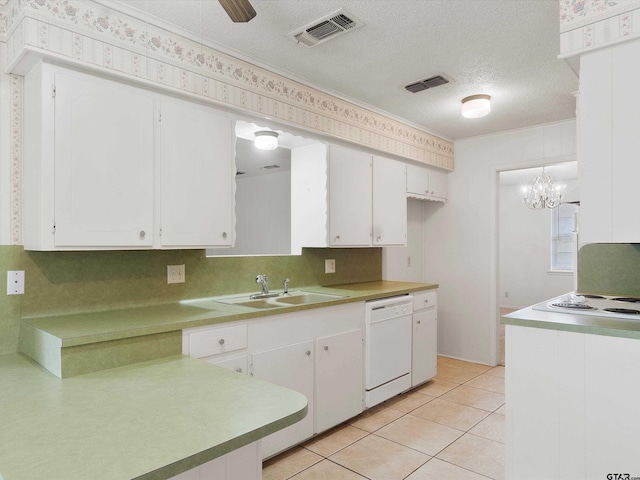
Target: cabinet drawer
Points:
(217, 340)
(424, 300)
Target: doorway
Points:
(530, 241)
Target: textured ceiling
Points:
(505, 48)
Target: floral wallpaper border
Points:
(15, 194)
(94, 35)
(591, 24)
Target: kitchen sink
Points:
(303, 298)
(261, 303)
(298, 297)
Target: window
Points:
(563, 223)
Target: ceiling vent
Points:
(425, 84)
(326, 28)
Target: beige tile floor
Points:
(450, 428)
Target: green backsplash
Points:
(63, 282)
(609, 269)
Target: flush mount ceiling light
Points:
(266, 140)
(476, 106)
(543, 193)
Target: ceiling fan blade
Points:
(238, 10)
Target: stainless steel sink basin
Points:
(298, 297)
(303, 298)
(261, 303)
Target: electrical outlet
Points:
(175, 273)
(15, 282)
(330, 265)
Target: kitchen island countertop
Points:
(571, 322)
(150, 420)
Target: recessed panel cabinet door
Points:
(103, 164)
(349, 197)
(425, 339)
(389, 202)
(339, 388)
(291, 366)
(197, 170)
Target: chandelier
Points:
(543, 193)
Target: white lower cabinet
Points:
(245, 463)
(317, 352)
(339, 384)
(225, 346)
(238, 364)
(292, 367)
(424, 362)
(571, 401)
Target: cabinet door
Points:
(425, 343)
(426, 183)
(103, 164)
(437, 185)
(197, 176)
(237, 364)
(389, 202)
(350, 199)
(291, 366)
(417, 180)
(339, 386)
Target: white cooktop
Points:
(604, 306)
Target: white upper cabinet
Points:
(608, 144)
(88, 174)
(102, 171)
(343, 197)
(350, 197)
(389, 202)
(426, 183)
(196, 152)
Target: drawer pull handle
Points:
(419, 321)
(326, 347)
(142, 234)
(224, 234)
(308, 353)
(221, 341)
(239, 369)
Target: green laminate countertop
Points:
(93, 327)
(570, 322)
(151, 420)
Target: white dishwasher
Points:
(387, 365)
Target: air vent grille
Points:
(325, 28)
(426, 84)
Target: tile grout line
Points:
(404, 414)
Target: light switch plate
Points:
(175, 274)
(330, 265)
(15, 282)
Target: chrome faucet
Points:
(263, 280)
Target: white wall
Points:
(525, 252)
(263, 216)
(407, 263)
(461, 237)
